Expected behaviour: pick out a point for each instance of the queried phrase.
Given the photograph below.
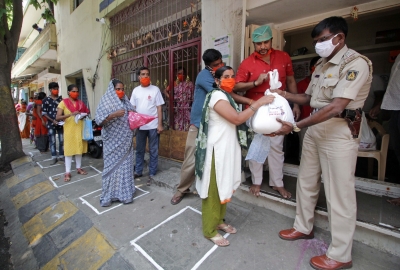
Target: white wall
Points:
(79, 44)
(219, 18)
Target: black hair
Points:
(53, 85)
(314, 61)
(142, 68)
(35, 26)
(181, 68)
(219, 72)
(333, 24)
(41, 95)
(23, 103)
(115, 82)
(71, 86)
(211, 55)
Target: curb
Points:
(46, 230)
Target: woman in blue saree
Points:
(112, 114)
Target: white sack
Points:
(264, 119)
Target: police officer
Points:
(338, 89)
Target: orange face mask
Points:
(74, 95)
(228, 84)
(215, 68)
(54, 92)
(120, 94)
(181, 77)
(259, 55)
(145, 81)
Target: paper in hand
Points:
(79, 116)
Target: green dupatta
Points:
(202, 136)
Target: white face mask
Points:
(324, 49)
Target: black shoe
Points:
(137, 175)
(61, 159)
(53, 161)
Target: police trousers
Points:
(329, 148)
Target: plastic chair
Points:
(379, 155)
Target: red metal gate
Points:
(162, 35)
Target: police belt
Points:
(352, 117)
(345, 113)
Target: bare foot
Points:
(394, 201)
(284, 193)
(255, 190)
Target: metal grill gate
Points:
(163, 36)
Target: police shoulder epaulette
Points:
(352, 55)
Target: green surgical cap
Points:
(261, 34)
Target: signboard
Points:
(223, 46)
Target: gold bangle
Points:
(285, 95)
(254, 109)
(254, 83)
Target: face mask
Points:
(227, 84)
(216, 68)
(324, 49)
(181, 77)
(74, 95)
(54, 92)
(259, 55)
(120, 94)
(145, 81)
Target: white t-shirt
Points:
(145, 100)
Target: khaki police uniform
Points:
(330, 149)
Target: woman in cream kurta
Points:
(223, 141)
(218, 153)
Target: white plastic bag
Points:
(367, 138)
(264, 120)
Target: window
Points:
(77, 3)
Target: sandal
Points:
(219, 240)
(227, 228)
(67, 177)
(80, 171)
(178, 198)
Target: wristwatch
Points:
(295, 127)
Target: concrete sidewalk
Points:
(58, 225)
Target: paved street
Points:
(57, 225)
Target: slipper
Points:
(67, 177)
(227, 228)
(80, 171)
(219, 240)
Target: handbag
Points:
(87, 132)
